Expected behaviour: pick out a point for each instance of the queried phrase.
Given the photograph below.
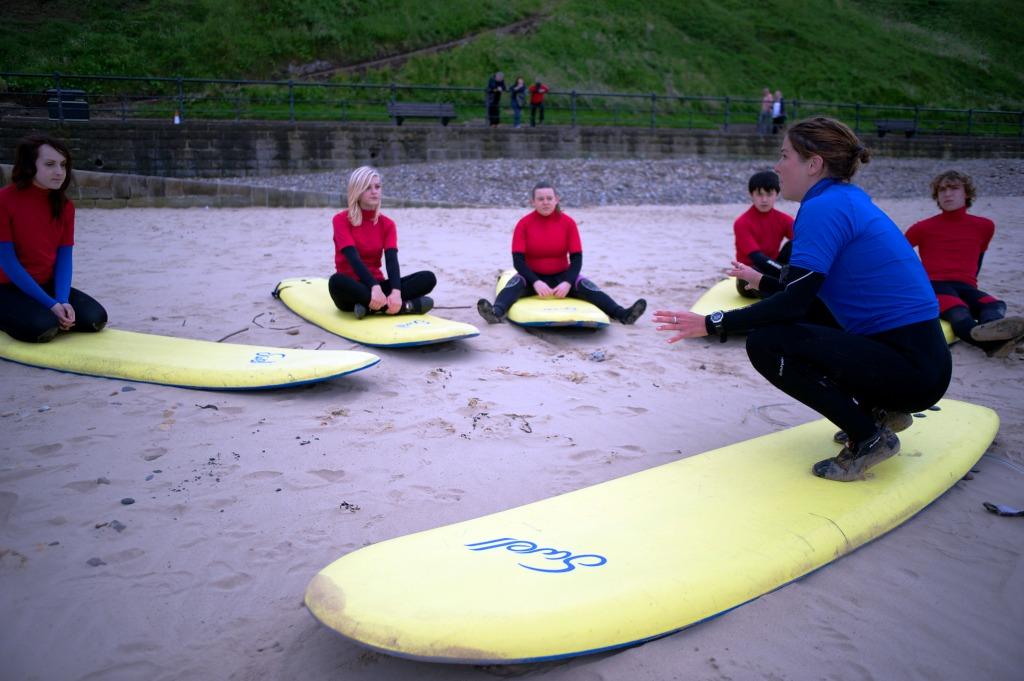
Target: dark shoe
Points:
(634, 312)
(896, 421)
(360, 311)
(853, 461)
(487, 311)
(421, 305)
(1006, 328)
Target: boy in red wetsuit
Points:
(760, 231)
(537, 92)
(952, 246)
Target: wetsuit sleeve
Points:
(913, 235)
(352, 255)
(575, 265)
(394, 273)
(20, 277)
(769, 285)
(762, 263)
(745, 241)
(62, 274)
(519, 262)
(801, 287)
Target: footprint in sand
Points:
(586, 409)
(262, 475)
(7, 503)
(46, 450)
(328, 475)
(83, 485)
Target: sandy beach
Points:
(240, 498)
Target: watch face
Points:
(717, 316)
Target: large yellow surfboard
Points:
(309, 298)
(183, 362)
(536, 311)
(723, 296)
(641, 556)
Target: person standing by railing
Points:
(495, 86)
(518, 97)
(537, 92)
(764, 117)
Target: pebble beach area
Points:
(590, 183)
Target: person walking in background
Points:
(518, 96)
(778, 112)
(495, 86)
(537, 92)
(764, 116)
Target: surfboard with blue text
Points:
(640, 556)
(537, 311)
(723, 296)
(310, 299)
(184, 362)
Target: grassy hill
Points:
(947, 53)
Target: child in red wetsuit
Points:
(952, 246)
(37, 235)
(548, 256)
(761, 231)
(361, 236)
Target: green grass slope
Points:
(949, 53)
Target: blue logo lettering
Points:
(266, 357)
(569, 561)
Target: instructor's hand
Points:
(687, 324)
(377, 298)
(394, 302)
(65, 315)
(542, 289)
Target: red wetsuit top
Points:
(27, 221)
(951, 244)
(370, 241)
(537, 93)
(757, 231)
(547, 242)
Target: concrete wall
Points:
(211, 149)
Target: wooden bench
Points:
(399, 111)
(908, 126)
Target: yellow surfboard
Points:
(536, 311)
(641, 556)
(183, 362)
(309, 298)
(723, 296)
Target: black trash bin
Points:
(71, 103)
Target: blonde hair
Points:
(358, 182)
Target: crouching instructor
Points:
(889, 357)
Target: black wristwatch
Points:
(717, 319)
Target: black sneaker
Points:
(854, 460)
(896, 421)
(421, 305)
(634, 312)
(360, 310)
(487, 311)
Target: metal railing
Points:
(67, 97)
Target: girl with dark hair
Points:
(889, 357)
(548, 256)
(37, 235)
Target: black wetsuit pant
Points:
(346, 291)
(844, 376)
(966, 307)
(583, 289)
(26, 319)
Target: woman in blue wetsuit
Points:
(889, 357)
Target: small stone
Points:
(45, 407)
(127, 501)
(292, 332)
(95, 562)
(597, 356)
(118, 525)
(149, 477)
(128, 389)
(54, 543)
(102, 481)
